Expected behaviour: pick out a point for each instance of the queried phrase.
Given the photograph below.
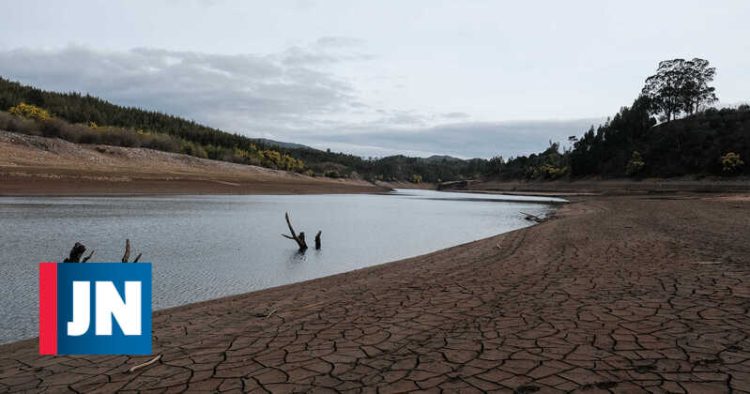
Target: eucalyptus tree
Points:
(679, 86)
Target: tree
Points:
(495, 166)
(731, 162)
(696, 91)
(680, 85)
(635, 165)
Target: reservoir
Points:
(205, 247)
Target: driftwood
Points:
(144, 365)
(317, 240)
(299, 238)
(532, 218)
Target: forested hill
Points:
(670, 130)
(714, 142)
(78, 108)
(91, 120)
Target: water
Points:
(205, 247)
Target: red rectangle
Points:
(47, 308)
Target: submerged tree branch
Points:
(126, 256)
(299, 238)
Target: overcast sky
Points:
(466, 78)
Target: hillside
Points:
(90, 120)
(32, 165)
(631, 145)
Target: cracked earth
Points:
(619, 294)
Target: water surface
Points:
(205, 247)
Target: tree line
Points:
(669, 130)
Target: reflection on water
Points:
(205, 247)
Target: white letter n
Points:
(109, 305)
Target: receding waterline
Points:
(205, 247)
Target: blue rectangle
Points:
(90, 343)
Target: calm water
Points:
(205, 247)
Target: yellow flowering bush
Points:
(30, 112)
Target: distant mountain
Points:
(280, 144)
(442, 158)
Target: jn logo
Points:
(102, 308)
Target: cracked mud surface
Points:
(616, 294)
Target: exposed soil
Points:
(44, 166)
(584, 187)
(614, 294)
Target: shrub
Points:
(548, 171)
(192, 149)
(635, 165)
(731, 163)
(332, 174)
(160, 142)
(29, 111)
(19, 125)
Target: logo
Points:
(99, 308)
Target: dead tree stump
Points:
(76, 253)
(126, 256)
(299, 238)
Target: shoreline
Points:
(45, 186)
(283, 287)
(612, 293)
(595, 187)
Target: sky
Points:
(374, 78)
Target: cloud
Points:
(241, 92)
(455, 115)
(339, 42)
(293, 95)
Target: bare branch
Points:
(289, 223)
(532, 218)
(126, 256)
(87, 258)
(146, 364)
(137, 257)
(300, 239)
